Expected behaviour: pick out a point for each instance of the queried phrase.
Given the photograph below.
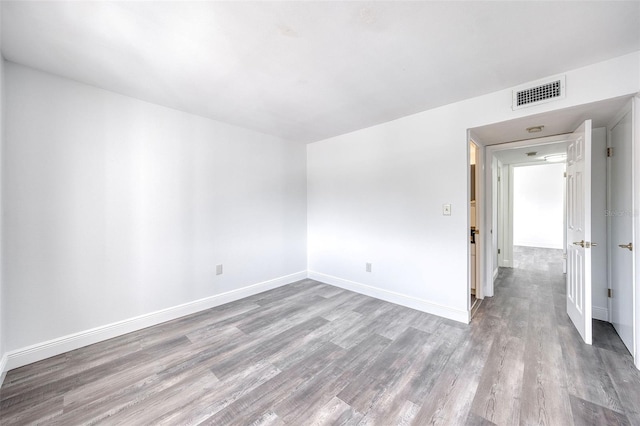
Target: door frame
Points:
(480, 201)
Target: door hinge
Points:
(498, 178)
(565, 174)
(609, 292)
(498, 251)
(609, 152)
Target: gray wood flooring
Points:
(312, 354)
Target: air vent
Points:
(538, 92)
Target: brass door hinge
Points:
(609, 292)
(609, 152)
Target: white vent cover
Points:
(538, 92)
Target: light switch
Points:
(446, 210)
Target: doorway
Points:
(475, 292)
(496, 137)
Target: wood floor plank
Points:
(498, 396)
(544, 397)
(476, 420)
(268, 419)
(446, 340)
(210, 401)
(41, 392)
(314, 340)
(455, 388)
(605, 337)
(368, 385)
(131, 398)
(251, 406)
(147, 410)
(266, 348)
(313, 306)
(626, 380)
(334, 412)
(588, 413)
(372, 311)
(42, 413)
(314, 394)
(587, 377)
(103, 386)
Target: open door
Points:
(579, 230)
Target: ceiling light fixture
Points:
(556, 158)
(535, 129)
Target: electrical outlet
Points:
(368, 267)
(218, 269)
(446, 210)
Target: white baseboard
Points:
(495, 273)
(537, 244)
(598, 313)
(393, 297)
(506, 263)
(40, 351)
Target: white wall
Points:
(376, 195)
(116, 208)
(3, 322)
(538, 203)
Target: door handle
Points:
(584, 243)
(627, 246)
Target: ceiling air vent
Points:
(538, 92)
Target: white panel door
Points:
(621, 229)
(579, 230)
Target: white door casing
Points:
(620, 218)
(579, 230)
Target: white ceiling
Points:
(306, 71)
(519, 155)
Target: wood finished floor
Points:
(311, 354)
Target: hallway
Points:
(538, 370)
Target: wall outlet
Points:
(446, 209)
(218, 269)
(368, 267)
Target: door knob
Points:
(579, 243)
(627, 246)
